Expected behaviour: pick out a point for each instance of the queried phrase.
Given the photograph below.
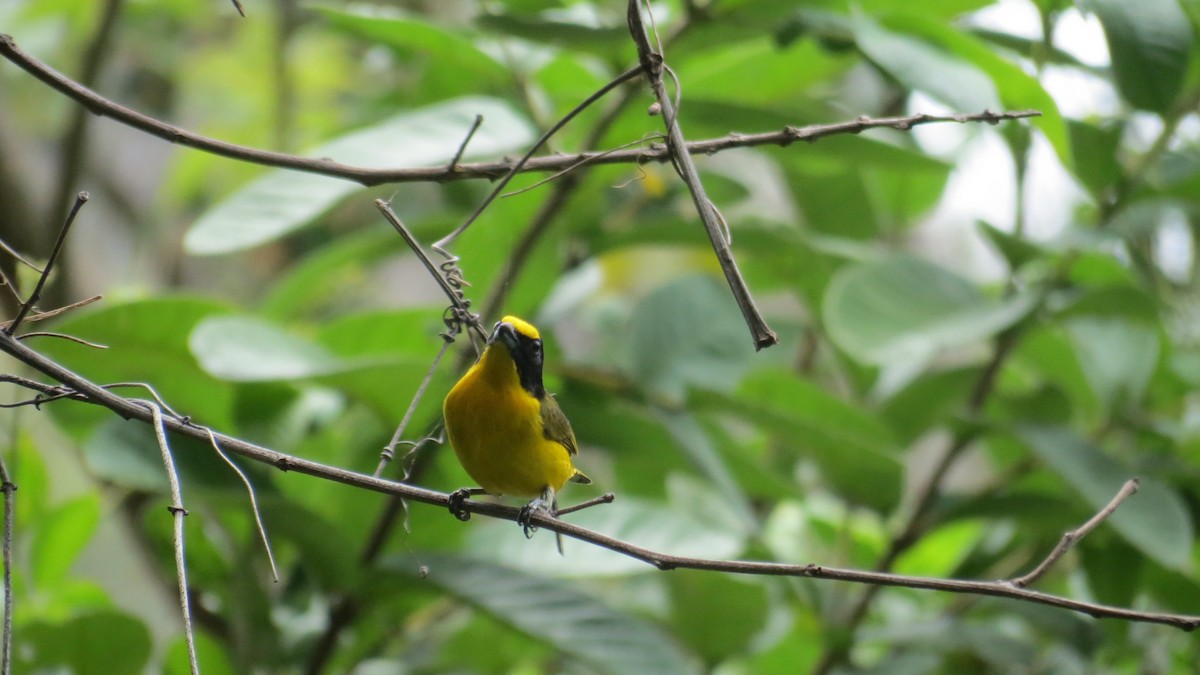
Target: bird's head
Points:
(524, 345)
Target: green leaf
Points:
(560, 30)
(700, 449)
(1118, 356)
(282, 201)
(60, 537)
(928, 402)
(919, 65)
(716, 615)
(905, 309)
(560, 615)
(246, 349)
(1155, 520)
(854, 450)
(98, 643)
(687, 333)
(127, 454)
(1150, 42)
(210, 654)
(757, 71)
(1095, 149)
(651, 525)
(449, 63)
(321, 281)
(1016, 250)
(147, 342)
(1017, 89)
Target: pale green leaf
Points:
(282, 201)
(906, 309)
(1155, 520)
(561, 615)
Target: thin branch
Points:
(652, 65)
(75, 138)
(134, 409)
(177, 513)
(389, 451)
(13, 325)
(8, 487)
(104, 107)
(462, 147)
(262, 530)
(18, 257)
(238, 6)
(606, 498)
(62, 336)
(578, 165)
(1070, 538)
(500, 185)
(50, 314)
(448, 286)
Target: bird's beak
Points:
(504, 332)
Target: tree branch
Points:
(714, 225)
(99, 105)
(1070, 538)
(134, 409)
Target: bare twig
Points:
(8, 487)
(500, 185)
(18, 257)
(652, 65)
(12, 327)
(62, 336)
(462, 147)
(581, 163)
(606, 498)
(75, 139)
(177, 513)
(1069, 538)
(262, 530)
(389, 451)
(455, 295)
(100, 105)
(133, 409)
(50, 314)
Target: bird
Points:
(509, 434)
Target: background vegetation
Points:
(948, 397)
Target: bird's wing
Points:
(555, 425)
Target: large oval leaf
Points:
(245, 349)
(1149, 42)
(281, 201)
(907, 309)
(854, 450)
(1155, 520)
(559, 614)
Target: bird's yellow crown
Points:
(522, 326)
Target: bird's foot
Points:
(456, 502)
(525, 517)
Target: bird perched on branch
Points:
(508, 433)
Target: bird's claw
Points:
(525, 517)
(456, 504)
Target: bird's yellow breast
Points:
(495, 427)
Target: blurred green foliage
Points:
(1049, 362)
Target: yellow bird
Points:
(508, 433)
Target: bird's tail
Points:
(579, 477)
